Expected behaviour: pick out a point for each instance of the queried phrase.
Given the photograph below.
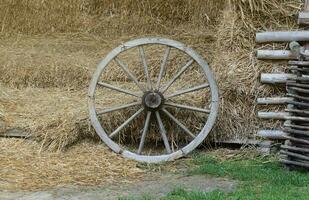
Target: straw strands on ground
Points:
(23, 167)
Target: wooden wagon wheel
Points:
(153, 100)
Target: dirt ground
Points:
(155, 185)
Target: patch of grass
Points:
(181, 194)
(259, 178)
(260, 170)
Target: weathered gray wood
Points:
(179, 73)
(185, 91)
(15, 133)
(303, 18)
(273, 100)
(163, 132)
(296, 155)
(145, 130)
(273, 115)
(182, 126)
(276, 78)
(281, 116)
(262, 143)
(299, 63)
(282, 36)
(289, 162)
(170, 44)
(272, 134)
(297, 140)
(176, 105)
(275, 55)
(297, 149)
(288, 124)
(296, 132)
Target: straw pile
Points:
(23, 167)
(71, 38)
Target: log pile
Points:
(295, 131)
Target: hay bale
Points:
(222, 31)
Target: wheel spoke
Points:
(118, 89)
(177, 93)
(186, 107)
(162, 67)
(127, 71)
(142, 55)
(163, 133)
(126, 123)
(118, 108)
(182, 70)
(183, 127)
(146, 126)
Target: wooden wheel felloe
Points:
(154, 99)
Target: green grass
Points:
(259, 178)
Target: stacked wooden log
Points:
(295, 131)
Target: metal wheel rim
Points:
(154, 158)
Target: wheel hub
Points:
(152, 100)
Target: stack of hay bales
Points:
(54, 46)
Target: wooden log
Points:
(281, 116)
(296, 132)
(299, 85)
(303, 18)
(288, 124)
(15, 133)
(272, 134)
(296, 149)
(293, 139)
(276, 55)
(299, 90)
(276, 78)
(296, 155)
(301, 164)
(305, 112)
(273, 115)
(299, 63)
(301, 70)
(298, 97)
(300, 104)
(282, 36)
(273, 100)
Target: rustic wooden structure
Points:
(295, 129)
